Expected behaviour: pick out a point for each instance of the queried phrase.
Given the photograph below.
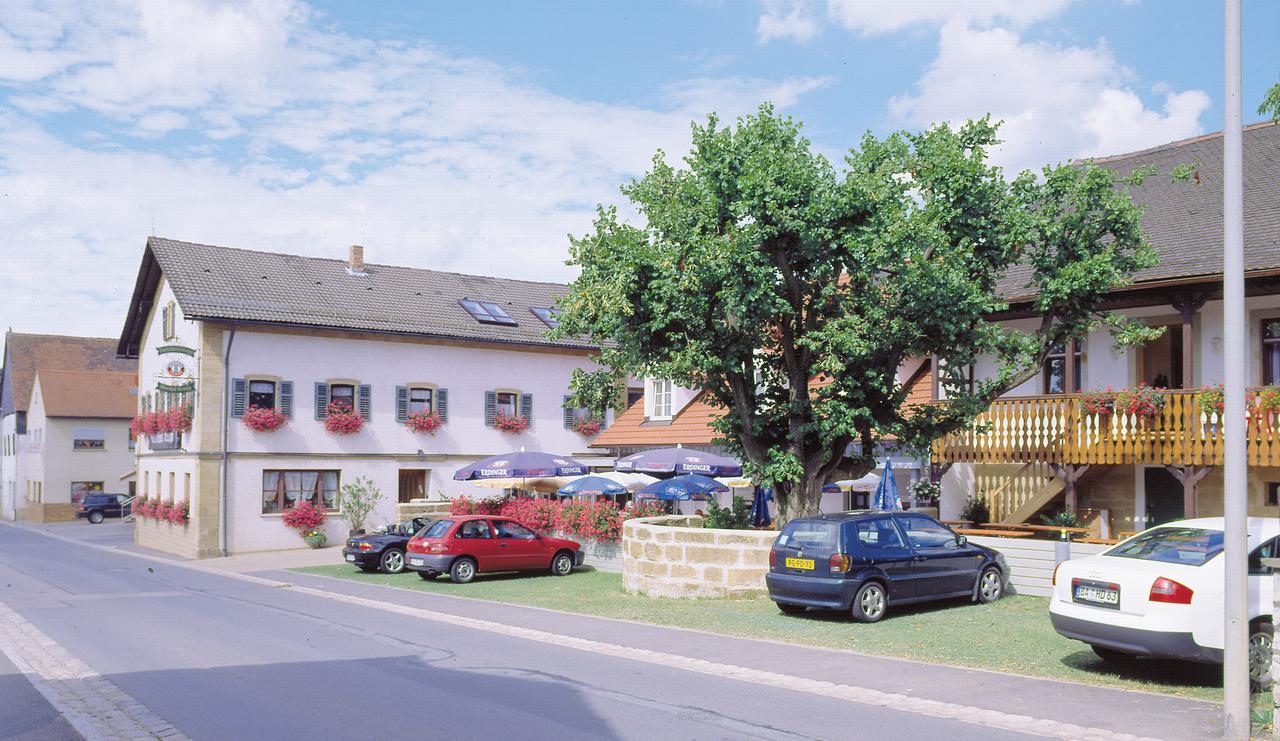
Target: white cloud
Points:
(871, 17)
(787, 19)
(1057, 102)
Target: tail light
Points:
(1054, 580)
(414, 545)
(364, 546)
(773, 559)
(1171, 592)
(839, 562)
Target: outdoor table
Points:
(994, 533)
(1055, 529)
(1004, 526)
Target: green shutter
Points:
(490, 407)
(286, 398)
(442, 404)
(238, 397)
(568, 412)
(322, 400)
(365, 400)
(402, 403)
(526, 408)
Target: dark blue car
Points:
(865, 561)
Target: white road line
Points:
(90, 702)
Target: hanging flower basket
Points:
(179, 418)
(512, 423)
(151, 424)
(427, 422)
(263, 419)
(341, 419)
(589, 427)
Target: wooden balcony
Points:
(1054, 429)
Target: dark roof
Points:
(97, 394)
(1183, 220)
(268, 287)
(27, 353)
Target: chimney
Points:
(355, 260)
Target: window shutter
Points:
(322, 400)
(286, 398)
(402, 403)
(568, 412)
(366, 400)
(526, 408)
(238, 397)
(442, 404)
(490, 407)
(164, 322)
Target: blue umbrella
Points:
(520, 465)
(682, 488)
(831, 489)
(679, 461)
(886, 497)
(591, 486)
(760, 507)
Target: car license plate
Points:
(800, 563)
(351, 556)
(1093, 593)
(415, 562)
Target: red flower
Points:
(589, 427)
(263, 419)
(305, 517)
(424, 422)
(341, 419)
(161, 510)
(512, 423)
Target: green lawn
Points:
(1011, 635)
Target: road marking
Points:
(90, 702)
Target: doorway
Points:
(413, 484)
(1160, 362)
(1164, 497)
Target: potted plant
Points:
(263, 419)
(1098, 403)
(512, 423)
(1143, 402)
(341, 419)
(926, 492)
(306, 518)
(424, 421)
(179, 418)
(180, 513)
(1269, 399)
(356, 500)
(1213, 399)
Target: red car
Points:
(465, 545)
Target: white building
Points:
(227, 330)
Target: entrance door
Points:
(1164, 497)
(1160, 362)
(413, 484)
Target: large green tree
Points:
(759, 267)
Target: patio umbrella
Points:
(632, 482)
(760, 507)
(522, 465)
(682, 488)
(886, 497)
(832, 488)
(870, 482)
(587, 486)
(678, 461)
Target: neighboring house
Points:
(1042, 452)
(78, 440)
(237, 334)
(24, 355)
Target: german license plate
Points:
(800, 563)
(1093, 593)
(351, 556)
(415, 562)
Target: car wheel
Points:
(789, 609)
(870, 602)
(1261, 635)
(462, 571)
(562, 564)
(95, 517)
(990, 585)
(1112, 655)
(428, 575)
(392, 561)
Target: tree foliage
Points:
(596, 391)
(793, 292)
(1271, 103)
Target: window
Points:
(925, 533)
(262, 394)
(810, 534)
(1270, 351)
(509, 529)
(1055, 369)
(1273, 493)
(88, 438)
(169, 321)
(487, 312)
(634, 395)
(474, 529)
(437, 529)
(549, 317)
(82, 489)
(1266, 550)
(508, 403)
(1190, 546)
(343, 394)
(878, 534)
(421, 400)
(659, 399)
(283, 490)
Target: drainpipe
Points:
(226, 418)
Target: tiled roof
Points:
(88, 394)
(224, 283)
(1183, 220)
(691, 426)
(28, 353)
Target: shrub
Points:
(926, 492)
(737, 516)
(539, 515)
(644, 508)
(512, 423)
(975, 510)
(341, 419)
(142, 507)
(305, 517)
(1062, 519)
(469, 506)
(1143, 401)
(1269, 399)
(1098, 402)
(424, 421)
(263, 419)
(357, 500)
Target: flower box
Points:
(1144, 401)
(512, 423)
(427, 422)
(341, 419)
(589, 427)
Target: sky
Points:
(476, 136)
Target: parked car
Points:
(383, 550)
(1160, 593)
(863, 562)
(97, 507)
(465, 545)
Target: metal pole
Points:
(1235, 679)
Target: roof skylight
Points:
(487, 312)
(549, 317)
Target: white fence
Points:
(1031, 562)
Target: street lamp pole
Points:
(1235, 669)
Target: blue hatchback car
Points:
(864, 561)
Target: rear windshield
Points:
(437, 529)
(802, 534)
(1190, 546)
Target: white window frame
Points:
(657, 399)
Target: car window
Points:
(810, 534)
(438, 529)
(1266, 550)
(878, 534)
(925, 533)
(474, 529)
(509, 529)
(1190, 546)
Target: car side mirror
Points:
(961, 540)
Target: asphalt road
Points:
(220, 658)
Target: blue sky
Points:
(474, 136)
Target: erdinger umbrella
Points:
(832, 488)
(678, 461)
(520, 465)
(589, 486)
(886, 497)
(681, 488)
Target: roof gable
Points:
(691, 426)
(28, 353)
(96, 394)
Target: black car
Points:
(383, 549)
(865, 561)
(98, 507)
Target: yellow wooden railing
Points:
(1054, 429)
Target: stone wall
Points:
(50, 512)
(180, 540)
(417, 507)
(675, 556)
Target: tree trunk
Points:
(804, 498)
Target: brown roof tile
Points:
(27, 353)
(691, 426)
(88, 394)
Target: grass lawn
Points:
(1011, 635)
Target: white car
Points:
(1160, 593)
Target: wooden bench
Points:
(1098, 541)
(957, 523)
(986, 532)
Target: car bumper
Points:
(81, 513)
(811, 591)
(1135, 641)
(439, 563)
(361, 558)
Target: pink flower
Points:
(424, 422)
(512, 423)
(305, 517)
(263, 419)
(341, 419)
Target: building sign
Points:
(177, 367)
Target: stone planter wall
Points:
(601, 554)
(167, 537)
(417, 507)
(675, 556)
